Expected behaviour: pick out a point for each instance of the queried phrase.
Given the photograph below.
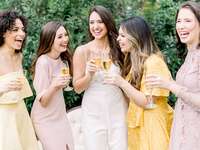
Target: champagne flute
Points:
(65, 72)
(95, 55)
(151, 104)
(106, 61)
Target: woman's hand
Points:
(91, 68)
(156, 81)
(60, 81)
(12, 85)
(113, 79)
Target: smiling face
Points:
(187, 27)
(97, 27)
(14, 37)
(124, 42)
(61, 40)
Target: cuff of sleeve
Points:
(39, 95)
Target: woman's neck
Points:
(102, 43)
(7, 51)
(53, 55)
(192, 46)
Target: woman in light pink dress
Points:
(185, 134)
(48, 113)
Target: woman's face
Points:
(187, 27)
(14, 37)
(61, 40)
(97, 27)
(124, 42)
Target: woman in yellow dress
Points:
(16, 131)
(149, 115)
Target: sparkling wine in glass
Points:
(151, 104)
(95, 55)
(106, 61)
(106, 64)
(65, 72)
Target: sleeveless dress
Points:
(51, 123)
(104, 115)
(149, 129)
(16, 130)
(185, 133)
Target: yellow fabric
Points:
(150, 129)
(16, 130)
(15, 96)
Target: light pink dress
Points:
(185, 133)
(50, 123)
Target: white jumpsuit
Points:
(104, 115)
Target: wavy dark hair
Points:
(194, 7)
(7, 22)
(47, 37)
(106, 16)
(139, 34)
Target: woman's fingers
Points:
(15, 85)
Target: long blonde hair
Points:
(143, 45)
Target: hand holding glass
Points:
(65, 72)
(151, 104)
(106, 61)
(95, 55)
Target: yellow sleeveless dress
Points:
(149, 129)
(16, 130)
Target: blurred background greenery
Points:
(159, 13)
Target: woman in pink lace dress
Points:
(48, 112)
(185, 134)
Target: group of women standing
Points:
(124, 78)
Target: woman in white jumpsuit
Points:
(103, 106)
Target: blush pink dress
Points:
(51, 123)
(185, 134)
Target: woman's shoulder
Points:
(84, 49)
(42, 60)
(154, 58)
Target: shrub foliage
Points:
(74, 13)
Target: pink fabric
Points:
(51, 123)
(185, 133)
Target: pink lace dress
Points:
(185, 134)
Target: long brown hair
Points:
(106, 16)
(47, 37)
(143, 45)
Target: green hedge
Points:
(161, 17)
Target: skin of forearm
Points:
(138, 97)
(82, 84)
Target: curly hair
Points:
(7, 22)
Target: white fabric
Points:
(104, 115)
(74, 117)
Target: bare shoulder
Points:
(83, 50)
